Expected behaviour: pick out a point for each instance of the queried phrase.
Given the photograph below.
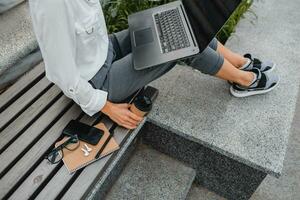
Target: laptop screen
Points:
(207, 17)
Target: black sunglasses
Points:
(57, 154)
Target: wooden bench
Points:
(33, 113)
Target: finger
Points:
(125, 124)
(135, 116)
(124, 105)
(126, 120)
(132, 121)
(128, 126)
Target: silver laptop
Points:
(176, 30)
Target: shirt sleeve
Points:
(55, 29)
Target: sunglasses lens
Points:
(55, 156)
(73, 143)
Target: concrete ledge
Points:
(254, 130)
(16, 71)
(8, 4)
(16, 36)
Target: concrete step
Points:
(16, 36)
(199, 193)
(5, 5)
(150, 174)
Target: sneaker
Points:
(264, 83)
(256, 63)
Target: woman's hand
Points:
(121, 114)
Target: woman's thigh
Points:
(123, 80)
(122, 43)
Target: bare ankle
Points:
(243, 62)
(246, 79)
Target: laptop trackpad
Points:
(143, 36)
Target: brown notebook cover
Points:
(75, 160)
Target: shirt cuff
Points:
(89, 99)
(96, 104)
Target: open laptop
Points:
(176, 30)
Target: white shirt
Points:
(73, 40)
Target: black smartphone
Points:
(86, 133)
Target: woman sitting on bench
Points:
(96, 70)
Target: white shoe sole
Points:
(252, 93)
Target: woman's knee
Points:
(208, 62)
(214, 44)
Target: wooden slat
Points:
(60, 179)
(36, 152)
(19, 104)
(57, 183)
(21, 84)
(38, 176)
(90, 173)
(33, 182)
(27, 116)
(16, 148)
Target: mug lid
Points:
(143, 103)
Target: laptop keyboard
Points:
(171, 31)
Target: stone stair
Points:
(199, 193)
(150, 174)
(18, 45)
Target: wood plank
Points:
(91, 173)
(36, 152)
(33, 182)
(21, 102)
(16, 148)
(21, 84)
(56, 184)
(38, 176)
(27, 116)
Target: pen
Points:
(111, 134)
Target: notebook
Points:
(75, 160)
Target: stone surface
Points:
(253, 130)
(17, 70)
(16, 36)
(8, 4)
(152, 175)
(287, 187)
(200, 193)
(214, 171)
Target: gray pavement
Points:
(253, 130)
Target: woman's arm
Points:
(55, 31)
